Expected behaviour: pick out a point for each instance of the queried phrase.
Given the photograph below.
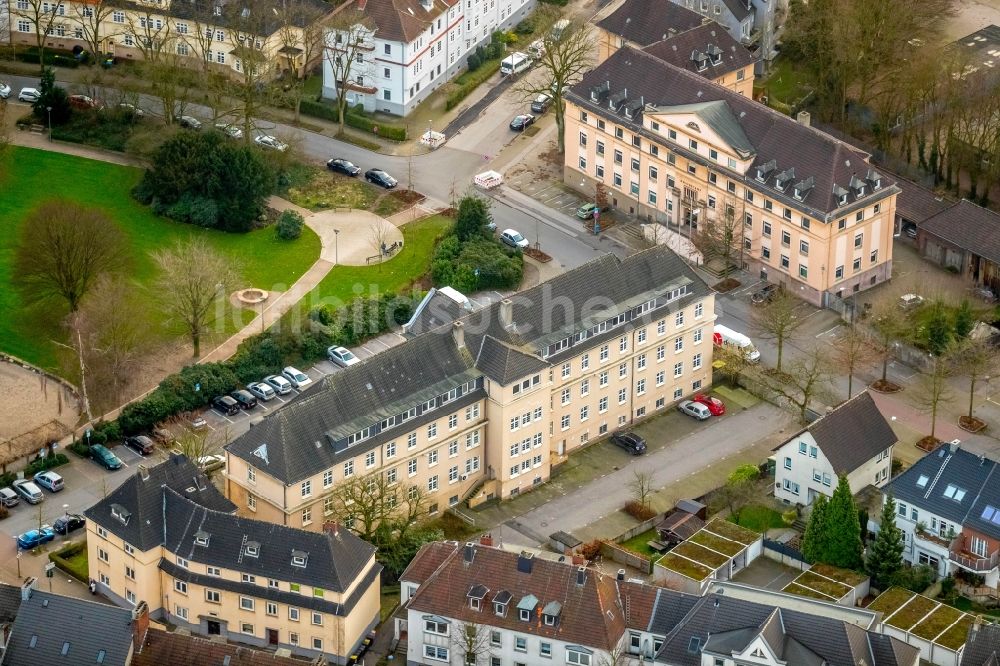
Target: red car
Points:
(716, 406)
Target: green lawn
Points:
(637, 544)
(37, 175)
(389, 600)
(759, 518)
(72, 558)
(788, 82)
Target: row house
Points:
(479, 605)
(681, 37)
(948, 508)
(167, 539)
(854, 440)
(481, 404)
(229, 37)
(672, 147)
(412, 47)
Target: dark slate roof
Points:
(10, 601)
(401, 20)
(436, 309)
(645, 22)
(332, 562)
(739, 8)
(505, 364)
(916, 203)
(678, 50)
(232, 15)
(53, 621)
(953, 466)
(969, 227)
(141, 496)
(162, 648)
(982, 648)
(852, 434)
(774, 136)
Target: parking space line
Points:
(828, 331)
(221, 415)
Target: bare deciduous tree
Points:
(777, 320)
(249, 22)
(301, 36)
(370, 502)
(472, 642)
(93, 17)
(888, 323)
(721, 236)
(934, 390)
(641, 486)
(807, 378)
(852, 351)
(42, 15)
(378, 235)
(976, 358)
(351, 35)
(63, 248)
(193, 277)
(196, 445)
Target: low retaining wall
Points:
(644, 526)
(626, 557)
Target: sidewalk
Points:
(42, 142)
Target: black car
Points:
(629, 441)
(245, 398)
(380, 177)
(69, 522)
(522, 122)
(765, 294)
(340, 165)
(140, 444)
(226, 405)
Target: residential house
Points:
(413, 47)
(853, 440)
(225, 37)
(965, 238)
(983, 646)
(752, 22)
(166, 537)
(672, 147)
(514, 388)
(678, 36)
(475, 604)
(948, 508)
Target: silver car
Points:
(342, 356)
(299, 379)
(30, 95)
(271, 143)
(263, 391)
(4, 90)
(280, 385)
(694, 409)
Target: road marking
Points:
(220, 414)
(828, 331)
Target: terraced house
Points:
(168, 538)
(481, 404)
(673, 147)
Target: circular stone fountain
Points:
(251, 296)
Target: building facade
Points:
(751, 22)
(853, 440)
(514, 388)
(416, 46)
(168, 539)
(671, 147)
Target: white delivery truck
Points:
(727, 336)
(514, 64)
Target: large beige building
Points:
(481, 405)
(670, 146)
(167, 537)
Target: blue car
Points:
(34, 538)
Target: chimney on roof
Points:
(524, 561)
(140, 626)
(26, 587)
(803, 118)
(470, 553)
(506, 312)
(332, 527)
(458, 332)
(143, 472)
(486, 540)
(953, 446)
(621, 574)
(581, 576)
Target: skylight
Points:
(992, 514)
(954, 492)
(922, 481)
(694, 645)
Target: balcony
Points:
(963, 558)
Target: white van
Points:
(727, 336)
(515, 63)
(559, 28)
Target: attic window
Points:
(842, 200)
(549, 620)
(694, 645)
(954, 492)
(65, 649)
(500, 609)
(922, 481)
(251, 549)
(34, 641)
(299, 558)
(201, 538)
(121, 513)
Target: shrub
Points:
(525, 27)
(7, 478)
(639, 511)
(591, 549)
(915, 579)
(470, 81)
(353, 118)
(57, 59)
(80, 448)
(42, 464)
(947, 587)
(289, 225)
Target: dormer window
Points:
(524, 614)
(120, 513)
(476, 595)
(251, 549)
(299, 558)
(500, 609)
(201, 538)
(842, 200)
(475, 604)
(549, 620)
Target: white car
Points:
(190, 122)
(232, 131)
(50, 481)
(263, 391)
(132, 108)
(299, 379)
(513, 238)
(342, 356)
(211, 462)
(30, 95)
(4, 90)
(280, 385)
(694, 409)
(271, 143)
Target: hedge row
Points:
(33, 58)
(472, 81)
(35, 466)
(352, 119)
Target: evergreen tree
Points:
(885, 556)
(844, 547)
(964, 320)
(53, 101)
(472, 218)
(814, 541)
(938, 331)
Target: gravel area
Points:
(31, 400)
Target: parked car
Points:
(910, 301)
(270, 142)
(50, 481)
(716, 406)
(28, 491)
(629, 441)
(30, 95)
(140, 444)
(126, 107)
(195, 421)
(340, 165)
(513, 238)
(82, 102)
(765, 294)
(280, 385)
(541, 103)
(910, 230)
(164, 436)
(4, 90)
(245, 398)
(694, 409)
(34, 538)
(342, 356)
(69, 522)
(104, 457)
(226, 405)
(299, 379)
(8, 497)
(521, 122)
(232, 131)
(189, 122)
(211, 462)
(261, 390)
(381, 178)
(587, 211)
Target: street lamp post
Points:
(336, 247)
(49, 110)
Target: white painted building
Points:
(854, 439)
(418, 45)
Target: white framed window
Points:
(180, 587)
(348, 469)
(247, 603)
(577, 658)
(306, 488)
(436, 652)
(678, 369)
